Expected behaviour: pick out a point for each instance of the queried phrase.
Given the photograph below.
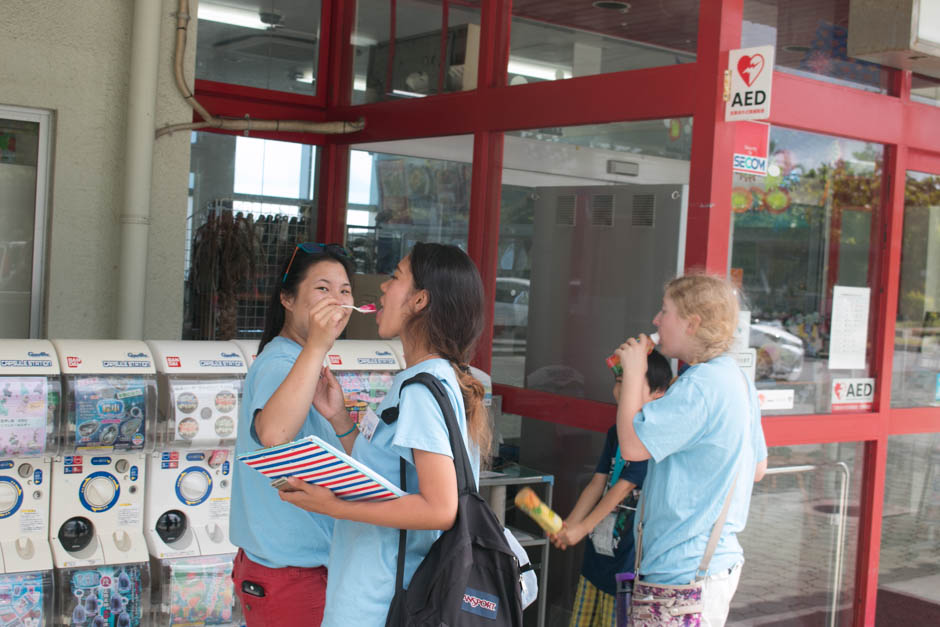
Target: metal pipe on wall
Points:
(138, 158)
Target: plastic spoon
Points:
(370, 308)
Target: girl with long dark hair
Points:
(280, 569)
(434, 303)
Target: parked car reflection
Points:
(779, 352)
(511, 310)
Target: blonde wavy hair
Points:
(714, 299)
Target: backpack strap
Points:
(465, 480)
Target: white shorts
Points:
(717, 592)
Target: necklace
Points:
(418, 361)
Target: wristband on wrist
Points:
(343, 435)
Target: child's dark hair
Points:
(290, 277)
(658, 372)
(452, 322)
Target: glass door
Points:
(24, 172)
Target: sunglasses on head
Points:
(312, 248)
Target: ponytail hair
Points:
(293, 272)
(452, 323)
(715, 300)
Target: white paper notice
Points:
(849, 328)
(747, 361)
(742, 333)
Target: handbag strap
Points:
(713, 538)
(465, 481)
(715, 535)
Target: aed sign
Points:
(752, 71)
(852, 394)
(751, 142)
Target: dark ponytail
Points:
(289, 278)
(452, 322)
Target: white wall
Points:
(534, 163)
(72, 56)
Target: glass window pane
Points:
(800, 233)
(401, 57)
(271, 44)
(19, 160)
(572, 235)
(561, 39)
(801, 539)
(252, 200)
(401, 193)
(810, 40)
(925, 89)
(916, 366)
(909, 569)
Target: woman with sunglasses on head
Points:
(434, 303)
(280, 570)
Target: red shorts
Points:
(293, 596)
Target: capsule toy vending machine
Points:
(96, 529)
(29, 418)
(249, 349)
(189, 483)
(365, 370)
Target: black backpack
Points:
(470, 576)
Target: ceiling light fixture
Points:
(362, 41)
(613, 5)
(231, 15)
(536, 69)
(409, 94)
(304, 77)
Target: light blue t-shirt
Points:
(364, 558)
(703, 432)
(272, 532)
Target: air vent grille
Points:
(644, 208)
(602, 210)
(564, 211)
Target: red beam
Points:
(495, 33)
(923, 161)
(251, 96)
(340, 52)
(584, 100)
(483, 245)
(820, 428)
(323, 52)
(709, 212)
(869, 532)
(778, 430)
(821, 107)
(566, 410)
(486, 181)
(334, 188)
(914, 420)
(220, 100)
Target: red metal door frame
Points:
(909, 131)
(709, 213)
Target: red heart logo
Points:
(750, 68)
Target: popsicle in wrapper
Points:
(529, 502)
